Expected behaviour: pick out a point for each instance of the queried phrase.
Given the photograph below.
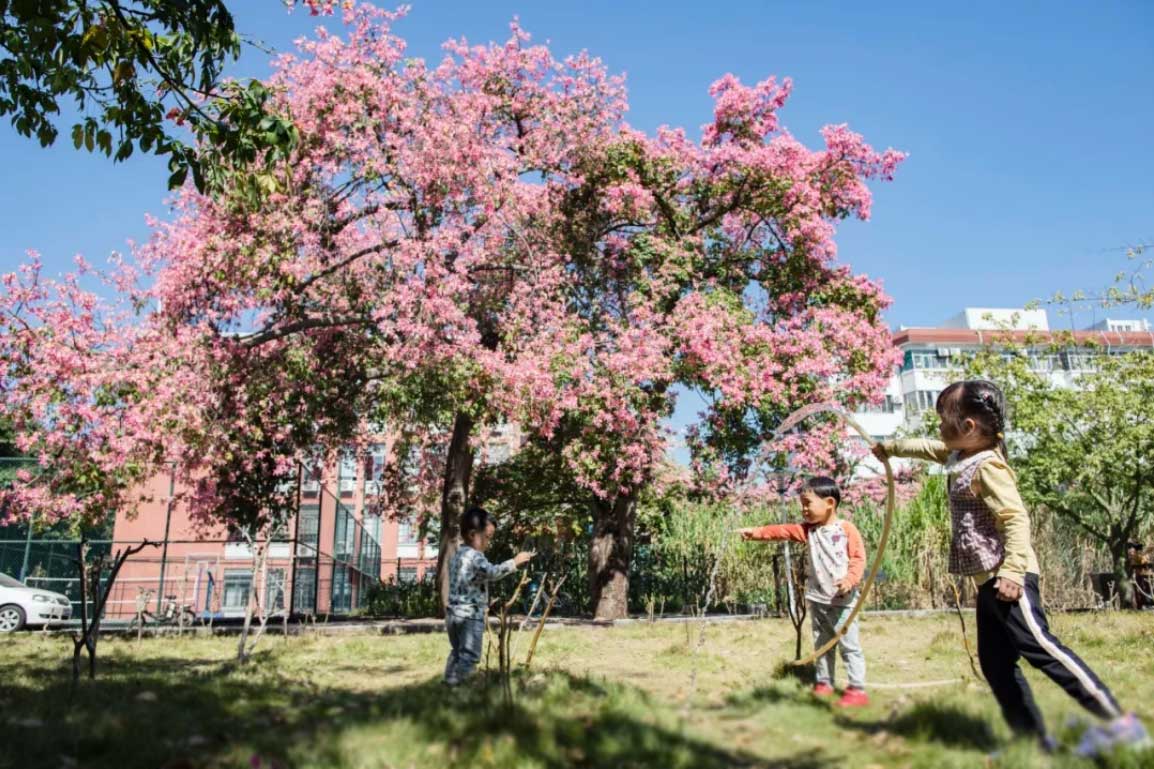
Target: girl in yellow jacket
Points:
(991, 542)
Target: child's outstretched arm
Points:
(855, 549)
(926, 449)
(780, 532)
(485, 571)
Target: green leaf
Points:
(77, 135)
(176, 179)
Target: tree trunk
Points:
(259, 577)
(610, 552)
(1123, 585)
(90, 586)
(92, 653)
(454, 497)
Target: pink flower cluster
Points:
(484, 235)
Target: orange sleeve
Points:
(782, 531)
(856, 550)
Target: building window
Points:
(1080, 361)
(344, 538)
(888, 406)
(371, 547)
(274, 588)
(304, 591)
(342, 598)
(237, 585)
(311, 479)
(1042, 362)
(374, 469)
(309, 529)
(407, 574)
(373, 528)
(925, 359)
(347, 474)
(921, 401)
(408, 533)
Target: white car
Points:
(21, 605)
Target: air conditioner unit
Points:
(943, 352)
(348, 485)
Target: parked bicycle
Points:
(171, 613)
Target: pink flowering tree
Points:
(710, 265)
(394, 269)
(78, 392)
(82, 389)
(448, 246)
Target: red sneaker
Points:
(853, 698)
(822, 690)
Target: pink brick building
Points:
(333, 549)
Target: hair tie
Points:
(1001, 437)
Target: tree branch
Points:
(345, 263)
(271, 334)
(1076, 518)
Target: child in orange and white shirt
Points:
(835, 564)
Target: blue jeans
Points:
(465, 636)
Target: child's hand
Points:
(1008, 591)
(522, 558)
(745, 533)
(880, 452)
(845, 586)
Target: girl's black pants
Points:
(1010, 631)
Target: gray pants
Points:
(465, 638)
(826, 620)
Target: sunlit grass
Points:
(596, 697)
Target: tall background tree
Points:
(141, 75)
(1084, 453)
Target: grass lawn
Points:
(595, 698)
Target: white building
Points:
(932, 357)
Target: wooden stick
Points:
(965, 635)
(529, 616)
(544, 617)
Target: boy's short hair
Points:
(824, 487)
(474, 519)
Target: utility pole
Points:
(164, 551)
(27, 548)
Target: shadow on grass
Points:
(804, 673)
(162, 713)
(927, 721)
(772, 694)
(780, 690)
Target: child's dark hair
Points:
(824, 487)
(979, 400)
(475, 519)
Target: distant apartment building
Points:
(932, 356)
(336, 545)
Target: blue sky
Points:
(1028, 128)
